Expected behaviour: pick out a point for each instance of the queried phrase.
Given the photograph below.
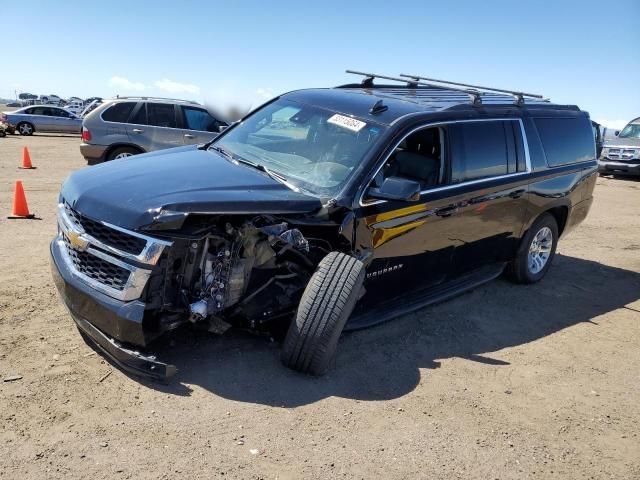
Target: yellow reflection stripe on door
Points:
(381, 217)
(380, 236)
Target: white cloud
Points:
(264, 93)
(613, 124)
(126, 84)
(175, 87)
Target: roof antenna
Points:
(379, 107)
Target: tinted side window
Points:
(161, 115)
(198, 119)
(39, 111)
(566, 140)
(118, 112)
(58, 112)
(479, 150)
(140, 116)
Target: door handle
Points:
(447, 211)
(137, 130)
(516, 193)
(188, 135)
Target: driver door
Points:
(412, 243)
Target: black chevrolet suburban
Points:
(323, 210)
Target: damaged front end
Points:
(247, 275)
(212, 271)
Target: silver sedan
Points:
(43, 118)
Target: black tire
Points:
(122, 151)
(311, 342)
(3, 133)
(25, 128)
(520, 270)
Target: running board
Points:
(407, 304)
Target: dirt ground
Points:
(505, 382)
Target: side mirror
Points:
(397, 188)
(616, 133)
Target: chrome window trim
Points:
(525, 142)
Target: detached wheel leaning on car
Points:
(311, 342)
(25, 128)
(122, 152)
(536, 251)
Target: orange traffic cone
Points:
(26, 159)
(20, 208)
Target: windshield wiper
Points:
(205, 146)
(222, 152)
(272, 174)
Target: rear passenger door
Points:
(154, 126)
(197, 125)
(489, 191)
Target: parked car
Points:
(322, 210)
(90, 105)
(75, 107)
(50, 99)
(128, 126)
(621, 155)
(43, 119)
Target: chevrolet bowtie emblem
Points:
(77, 241)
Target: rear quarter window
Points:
(566, 140)
(118, 112)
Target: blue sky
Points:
(580, 51)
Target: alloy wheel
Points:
(540, 250)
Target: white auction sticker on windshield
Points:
(347, 122)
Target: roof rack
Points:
(518, 96)
(193, 102)
(413, 82)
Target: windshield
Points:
(312, 148)
(630, 131)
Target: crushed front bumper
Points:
(106, 314)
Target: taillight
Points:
(86, 135)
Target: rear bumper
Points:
(93, 153)
(107, 321)
(618, 168)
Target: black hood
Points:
(131, 192)
(632, 142)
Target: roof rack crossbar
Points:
(519, 96)
(368, 83)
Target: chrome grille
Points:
(99, 270)
(107, 235)
(621, 153)
(110, 259)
